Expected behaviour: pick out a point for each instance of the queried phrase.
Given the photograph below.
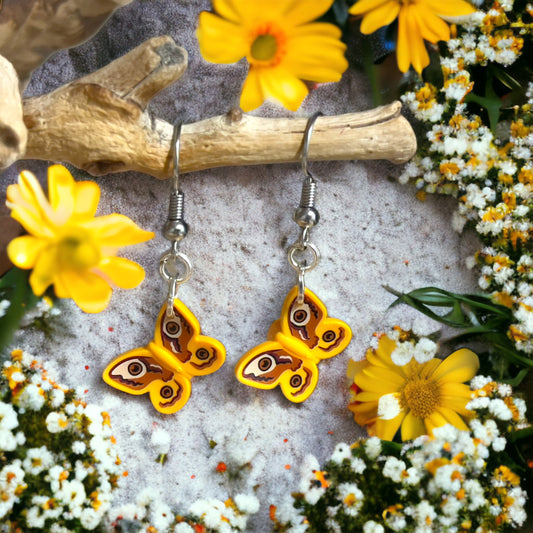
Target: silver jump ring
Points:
(173, 261)
(307, 138)
(300, 267)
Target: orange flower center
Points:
(77, 251)
(264, 47)
(420, 396)
(268, 45)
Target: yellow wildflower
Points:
(426, 396)
(418, 20)
(68, 246)
(279, 41)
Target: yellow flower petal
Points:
(364, 413)
(410, 48)
(450, 8)
(385, 347)
(86, 198)
(458, 367)
(298, 12)
(315, 53)
(381, 380)
(61, 193)
(362, 6)
(121, 272)
(451, 417)
(116, 230)
(412, 427)
(381, 16)
(431, 27)
(220, 41)
(23, 200)
(23, 251)
(44, 271)
(90, 292)
(386, 429)
(252, 94)
(229, 9)
(32, 192)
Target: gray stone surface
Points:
(373, 231)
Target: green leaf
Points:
(15, 287)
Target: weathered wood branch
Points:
(31, 30)
(13, 132)
(99, 123)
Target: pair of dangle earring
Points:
(304, 334)
(178, 352)
(296, 342)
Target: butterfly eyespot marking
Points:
(202, 354)
(173, 329)
(300, 315)
(264, 363)
(296, 381)
(136, 368)
(329, 336)
(166, 392)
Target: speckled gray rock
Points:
(372, 232)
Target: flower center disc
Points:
(264, 47)
(421, 397)
(77, 251)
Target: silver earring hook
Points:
(176, 137)
(303, 255)
(307, 138)
(175, 267)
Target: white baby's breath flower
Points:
(4, 306)
(57, 397)
(56, 422)
(394, 468)
(247, 503)
(373, 447)
(342, 451)
(389, 406)
(425, 350)
(403, 353)
(160, 441)
(37, 460)
(32, 398)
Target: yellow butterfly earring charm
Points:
(165, 367)
(304, 334)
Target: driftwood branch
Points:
(31, 30)
(99, 123)
(13, 133)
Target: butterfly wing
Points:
(308, 323)
(180, 335)
(142, 371)
(268, 365)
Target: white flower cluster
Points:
(58, 461)
(44, 309)
(450, 483)
(421, 351)
(152, 514)
(492, 175)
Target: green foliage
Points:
(478, 317)
(14, 286)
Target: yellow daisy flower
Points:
(68, 246)
(279, 42)
(418, 397)
(418, 20)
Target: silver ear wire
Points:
(175, 267)
(304, 256)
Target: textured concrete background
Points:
(372, 232)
